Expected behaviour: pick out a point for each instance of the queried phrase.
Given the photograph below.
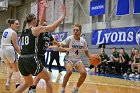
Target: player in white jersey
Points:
(9, 48)
(73, 57)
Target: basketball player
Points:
(9, 52)
(72, 59)
(42, 44)
(28, 62)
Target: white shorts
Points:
(73, 61)
(8, 54)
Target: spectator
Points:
(55, 55)
(104, 59)
(131, 59)
(114, 61)
(123, 59)
(136, 63)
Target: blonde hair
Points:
(77, 25)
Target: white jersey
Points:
(7, 37)
(8, 54)
(78, 46)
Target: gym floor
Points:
(98, 83)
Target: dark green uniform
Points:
(114, 63)
(124, 65)
(116, 54)
(103, 64)
(28, 62)
(43, 42)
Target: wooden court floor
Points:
(92, 84)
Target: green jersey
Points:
(27, 42)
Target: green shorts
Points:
(41, 58)
(29, 65)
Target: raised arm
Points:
(42, 17)
(52, 27)
(55, 24)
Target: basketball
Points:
(95, 59)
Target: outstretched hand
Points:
(63, 8)
(44, 3)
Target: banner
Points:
(97, 7)
(136, 7)
(122, 7)
(116, 36)
(60, 36)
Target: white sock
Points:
(63, 89)
(76, 88)
(8, 80)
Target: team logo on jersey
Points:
(138, 37)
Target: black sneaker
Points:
(17, 85)
(32, 91)
(50, 70)
(60, 71)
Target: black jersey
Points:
(27, 42)
(43, 42)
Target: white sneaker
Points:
(125, 74)
(32, 91)
(75, 90)
(132, 75)
(7, 86)
(87, 69)
(62, 91)
(137, 76)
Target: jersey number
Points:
(25, 40)
(5, 34)
(76, 52)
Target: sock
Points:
(17, 85)
(63, 89)
(30, 87)
(76, 88)
(8, 80)
(33, 87)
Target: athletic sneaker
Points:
(137, 76)
(7, 86)
(125, 75)
(17, 85)
(32, 91)
(88, 69)
(62, 91)
(75, 90)
(132, 75)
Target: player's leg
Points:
(12, 58)
(9, 75)
(81, 69)
(28, 82)
(58, 62)
(45, 75)
(36, 79)
(69, 69)
(17, 74)
(14, 66)
(51, 61)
